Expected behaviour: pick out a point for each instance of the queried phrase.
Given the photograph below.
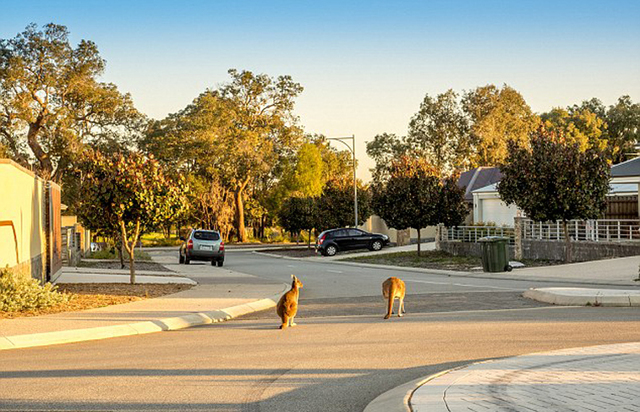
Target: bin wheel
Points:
(508, 268)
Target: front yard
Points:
(433, 259)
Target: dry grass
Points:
(97, 295)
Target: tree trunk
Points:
(309, 241)
(46, 167)
(418, 239)
(122, 250)
(131, 247)
(242, 236)
(568, 252)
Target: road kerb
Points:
(137, 328)
(398, 399)
(584, 297)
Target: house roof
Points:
(625, 169)
(615, 188)
(477, 178)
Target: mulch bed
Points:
(97, 295)
(143, 265)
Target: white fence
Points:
(601, 230)
(473, 233)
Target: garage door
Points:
(494, 210)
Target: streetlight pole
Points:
(352, 149)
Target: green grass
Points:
(158, 239)
(107, 254)
(428, 259)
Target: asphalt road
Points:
(340, 357)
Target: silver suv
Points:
(204, 245)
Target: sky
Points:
(365, 66)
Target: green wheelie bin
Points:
(495, 254)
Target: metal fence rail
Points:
(473, 233)
(601, 230)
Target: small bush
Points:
(19, 294)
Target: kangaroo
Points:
(393, 288)
(288, 304)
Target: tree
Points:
(554, 179)
(241, 133)
(298, 214)
(261, 131)
(439, 131)
(415, 196)
(211, 205)
(51, 102)
(623, 128)
(306, 176)
(336, 208)
(497, 116)
(384, 148)
(580, 126)
(125, 194)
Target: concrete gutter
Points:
(398, 399)
(585, 297)
(138, 328)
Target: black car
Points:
(333, 241)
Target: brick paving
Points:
(590, 379)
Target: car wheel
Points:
(181, 259)
(220, 263)
(331, 250)
(376, 245)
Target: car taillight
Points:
(190, 244)
(221, 245)
(321, 240)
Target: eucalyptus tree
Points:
(239, 133)
(51, 101)
(496, 116)
(439, 132)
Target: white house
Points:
(488, 207)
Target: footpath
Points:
(219, 295)
(589, 379)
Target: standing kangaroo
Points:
(288, 304)
(393, 288)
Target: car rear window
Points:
(200, 235)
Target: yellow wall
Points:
(69, 220)
(22, 209)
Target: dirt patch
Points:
(97, 295)
(152, 266)
(292, 252)
(427, 259)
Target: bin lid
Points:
(493, 239)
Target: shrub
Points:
(21, 294)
